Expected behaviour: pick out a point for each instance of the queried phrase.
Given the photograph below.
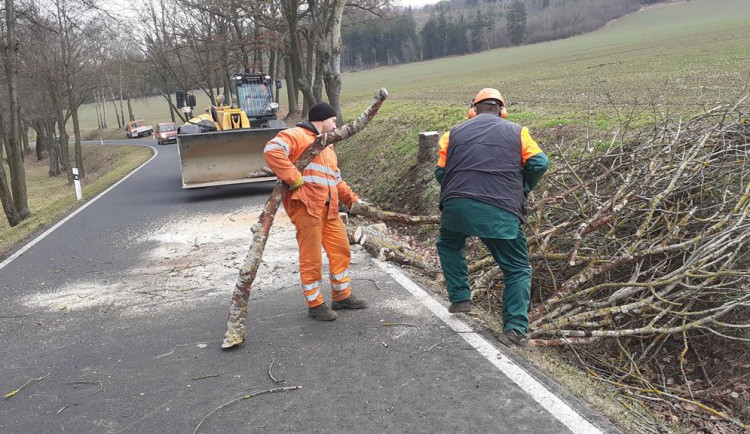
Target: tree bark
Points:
(15, 155)
(62, 148)
(380, 245)
(77, 138)
(53, 148)
(235, 333)
(104, 107)
(98, 106)
(130, 111)
(114, 104)
(41, 139)
(11, 213)
(122, 111)
(428, 146)
(387, 216)
(25, 137)
(333, 72)
(291, 95)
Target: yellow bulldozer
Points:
(225, 144)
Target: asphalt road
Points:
(112, 323)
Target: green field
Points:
(683, 53)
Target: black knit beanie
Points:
(321, 112)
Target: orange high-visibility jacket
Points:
(529, 148)
(322, 177)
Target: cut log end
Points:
(232, 340)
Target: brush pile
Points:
(641, 260)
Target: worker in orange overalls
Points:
(313, 206)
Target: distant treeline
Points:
(455, 27)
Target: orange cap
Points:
(489, 93)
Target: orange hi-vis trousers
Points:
(312, 233)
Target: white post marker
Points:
(101, 141)
(77, 182)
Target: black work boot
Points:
(349, 303)
(322, 313)
(460, 307)
(513, 337)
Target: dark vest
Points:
(484, 163)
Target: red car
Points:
(166, 132)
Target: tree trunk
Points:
(114, 103)
(7, 200)
(62, 148)
(122, 111)
(321, 68)
(272, 65)
(130, 111)
(377, 243)
(428, 147)
(291, 95)
(97, 106)
(53, 147)
(78, 150)
(311, 75)
(168, 97)
(235, 333)
(15, 155)
(227, 87)
(6, 196)
(103, 96)
(41, 139)
(333, 74)
(25, 138)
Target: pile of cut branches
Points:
(640, 250)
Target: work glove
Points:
(357, 205)
(297, 184)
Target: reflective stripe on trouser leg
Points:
(450, 247)
(309, 235)
(312, 294)
(336, 244)
(513, 258)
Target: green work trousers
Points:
(512, 257)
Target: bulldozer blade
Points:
(224, 157)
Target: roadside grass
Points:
(50, 198)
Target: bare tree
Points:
(15, 155)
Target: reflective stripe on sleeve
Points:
(277, 144)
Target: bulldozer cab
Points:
(255, 97)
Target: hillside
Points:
(691, 54)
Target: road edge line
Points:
(555, 405)
(39, 238)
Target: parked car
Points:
(138, 129)
(166, 132)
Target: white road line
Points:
(551, 402)
(31, 244)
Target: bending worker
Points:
(313, 206)
(487, 167)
